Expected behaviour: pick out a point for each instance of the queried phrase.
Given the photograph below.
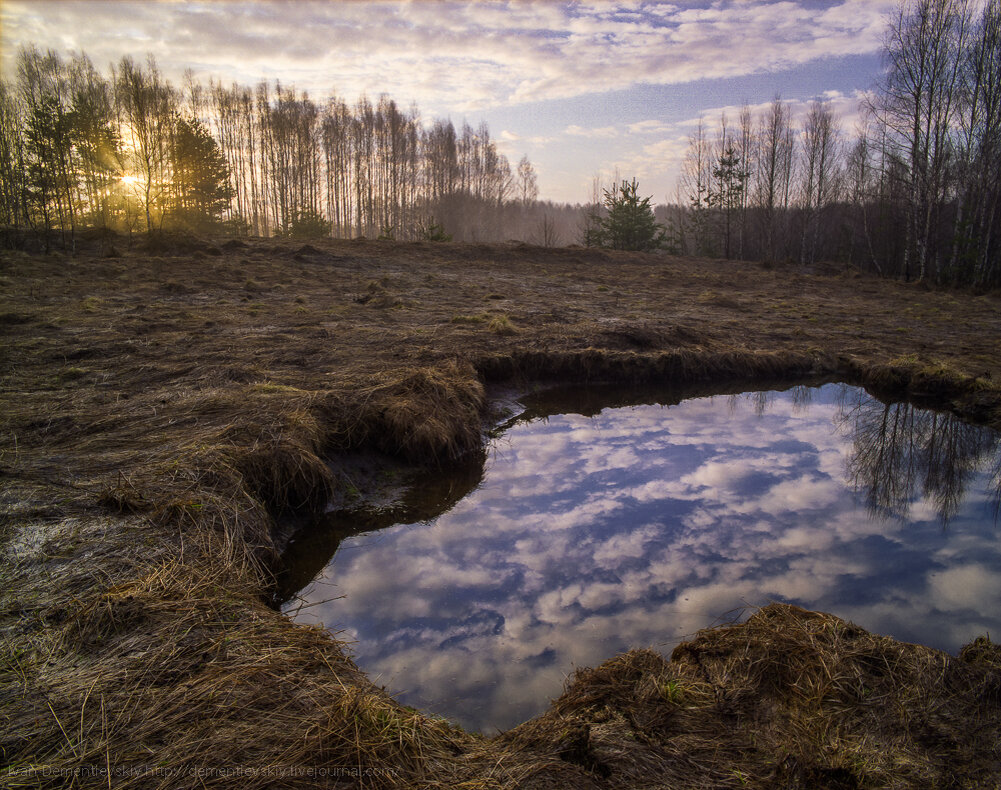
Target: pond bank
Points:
(162, 412)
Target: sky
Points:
(584, 89)
(635, 527)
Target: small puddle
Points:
(594, 529)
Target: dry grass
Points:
(164, 409)
(790, 698)
(202, 671)
(502, 325)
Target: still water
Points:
(594, 532)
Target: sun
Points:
(129, 180)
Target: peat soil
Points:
(172, 408)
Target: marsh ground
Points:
(165, 404)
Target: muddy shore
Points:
(165, 406)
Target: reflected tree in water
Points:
(899, 450)
(802, 398)
(995, 486)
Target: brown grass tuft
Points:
(502, 325)
(790, 698)
(432, 415)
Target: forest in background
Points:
(913, 193)
(132, 153)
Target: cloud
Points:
(662, 158)
(507, 138)
(801, 494)
(603, 133)
(625, 545)
(972, 586)
(651, 127)
(594, 508)
(458, 57)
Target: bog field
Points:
(173, 409)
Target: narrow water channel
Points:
(596, 530)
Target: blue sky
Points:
(583, 88)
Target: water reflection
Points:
(635, 526)
(898, 449)
(422, 498)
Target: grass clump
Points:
(433, 414)
(72, 373)
(479, 318)
(14, 319)
(502, 325)
(377, 294)
(673, 692)
(270, 387)
(710, 297)
(733, 700)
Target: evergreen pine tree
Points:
(630, 224)
(730, 177)
(200, 186)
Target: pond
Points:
(592, 530)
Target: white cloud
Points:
(456, 56)
(651, 127)
(605, 132)
(588, 512)
(611, 552)
(802, 494)
(973, 586)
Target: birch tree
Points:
(917, 102)
(774, 133)
(820, 174)
(145, 104)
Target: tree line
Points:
(913, 193)
(133, 153)
(369, 169)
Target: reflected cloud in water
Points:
(636, 526)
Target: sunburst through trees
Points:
(133, 153)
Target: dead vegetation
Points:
(790, 698)
(164, 409)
